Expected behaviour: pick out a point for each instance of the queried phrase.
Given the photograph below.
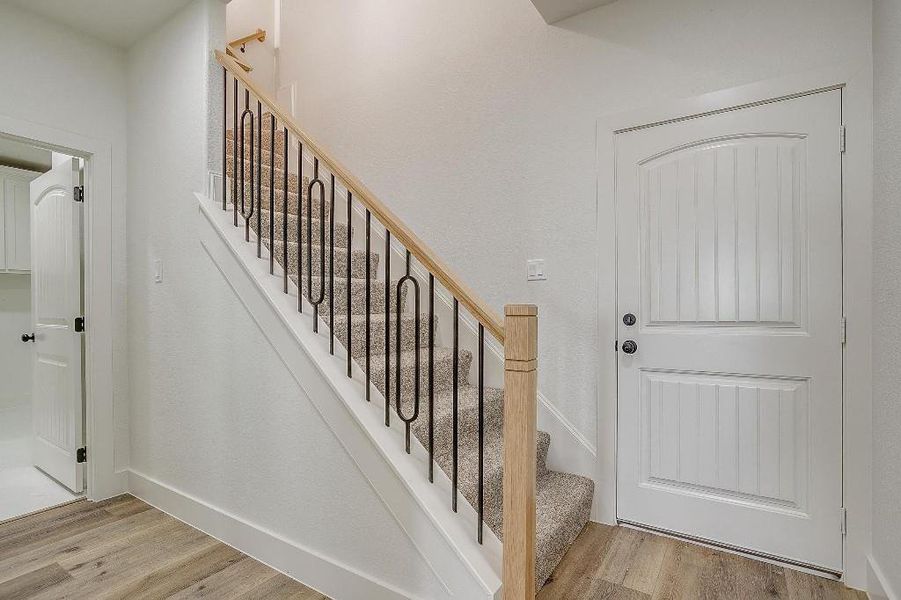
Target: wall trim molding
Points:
(286, 556)
(877, 585)
(445, 541)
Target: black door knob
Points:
(629, 319)
(629, 347)
(27, 337)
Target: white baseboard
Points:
(318, 572)
(878, 587)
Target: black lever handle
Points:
(27, 337)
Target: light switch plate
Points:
(158, 271)
(535, 270)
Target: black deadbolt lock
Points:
(629, 319)
(629, 347)
(26, 337)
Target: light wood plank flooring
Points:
(123, 548)
(618, 563)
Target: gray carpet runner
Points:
(563, 501)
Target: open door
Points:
(56, 291)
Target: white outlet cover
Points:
(158, 271)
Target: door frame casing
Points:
(102, 480)
(856, 83)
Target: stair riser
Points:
(357, 264)
(340, 229)
(358, 296)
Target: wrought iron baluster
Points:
(331, 268)
(387, 328)
(455, 417)
(244, 213)
(316, 301)
(431, 378)
(272, 200)
(368, 300)
(400, 413)
(299, 224)
(225, 138)
(481, 501)
(348, 273)
(237, 137)
(259, 199)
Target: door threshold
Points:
(80, 498)
(761, 556)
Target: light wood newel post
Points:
(520, 423)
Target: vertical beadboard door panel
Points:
(56, 288)
(729, 253)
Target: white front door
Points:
(729, 241)
(56, 302)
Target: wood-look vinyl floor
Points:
(123, 548)
(618, 563)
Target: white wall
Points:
(16, 365)
(887, 293)
(65, 80)
(215, 413)
(243, 17)
(476, 122)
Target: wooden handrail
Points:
(259, 36)
(520, 438)
(479, 309)
(241, 63)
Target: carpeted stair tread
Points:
(377, 333)
(563, 507)
(357, 263)
(279, 186)
(315, 228)
(358, 295)
(443, 372)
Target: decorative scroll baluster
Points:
(247, 215)
(455, 416)
(387, 328)
(225, 139)
(431, 378)
(400, 413)
(331, 267)
(316, 301)
(368, 299)
(350, 199)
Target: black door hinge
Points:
(79, 324)
(81, 455)
(79, 193)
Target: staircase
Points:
(306, 223)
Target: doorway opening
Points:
(42, 376)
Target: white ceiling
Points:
(117, 22)
(557, 10)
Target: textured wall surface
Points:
(66, 80)
(476, 122)
(887, 291)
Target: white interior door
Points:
(56, 302)
(729, 256)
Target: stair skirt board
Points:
(446, 541)
(564, 500)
